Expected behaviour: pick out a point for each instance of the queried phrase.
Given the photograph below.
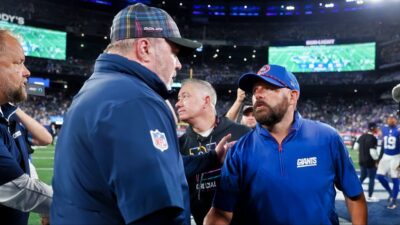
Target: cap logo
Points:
(264, 69)
(153, 29)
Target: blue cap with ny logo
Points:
(272, 74)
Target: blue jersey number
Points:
(389, 142)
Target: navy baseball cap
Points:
(139, 20)
(272, 74)
(371, 125)
(247, 109)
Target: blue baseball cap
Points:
(272, 74)
(140, 21)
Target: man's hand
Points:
(223, 147)
(241, 95)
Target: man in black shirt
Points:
(368, 156)
(196, 106)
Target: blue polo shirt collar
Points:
(298, 120)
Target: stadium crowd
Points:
(42, 108)
(345, 114)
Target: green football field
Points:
(39, 42)
(324, 58)
(43, 160)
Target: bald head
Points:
(6, 37)
(13, 73)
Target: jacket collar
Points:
(7, 112)
(297, 122)
(117, 63)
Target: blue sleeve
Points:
(9, 167)
(195, 164)
(346, 178)
(228, 191)
(139, 157)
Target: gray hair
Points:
(205, 86)
(121, 46)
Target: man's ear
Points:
(294, 96)
(143, 49)
(207, 100)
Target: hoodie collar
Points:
(117, 63)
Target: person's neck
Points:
(280, 130)
(3, 99)
(203, 123)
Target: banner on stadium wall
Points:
(12, 18)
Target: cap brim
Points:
(248, 109)
(247, 81)
(186, 46)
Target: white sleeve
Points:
(32, 170)
(356, 146)
(27, 194)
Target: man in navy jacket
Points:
(117, 159)
(19, 192)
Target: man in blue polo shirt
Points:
(286, 169)
(117, 159)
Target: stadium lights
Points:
(360, 2)
(194, 56)
(180, 4)
(245, 59)
(254, 51)
(217, 50)
(234, 46)
(290, 8)
(254, 56)
(329, 5)
(215, 55)
(105, 37)
(245, 6)
(83, 35)
(229, 57)
(163, 2)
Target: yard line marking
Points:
(41, 157)
(45, 169)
